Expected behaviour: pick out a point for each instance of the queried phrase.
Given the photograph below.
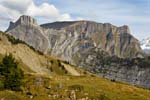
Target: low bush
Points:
(76, 87)
(1, 85)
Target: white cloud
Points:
(65, 17)
(12, 9)
(18, 5)
(11, 14)
(28, 7)
(79, 18)
(44, 10)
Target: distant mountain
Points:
(65, 39)
(100, 48)
(145, 45)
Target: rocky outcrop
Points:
(135, 75)
(115, 40)
(132, 71)
(27, 29)
(79, 42)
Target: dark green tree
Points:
(13, 75)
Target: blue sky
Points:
(134, 13)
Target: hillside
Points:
(100, 48)
(33, 61)
(60, 81)
(75, 88)
(53, 81)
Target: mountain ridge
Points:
(68, 23)
(102, 49)
(109, 34)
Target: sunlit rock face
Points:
(27, 29)
(79, 43)
(69, 37)
(115, 40)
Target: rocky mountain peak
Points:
(27, 29)
(26, 20)
(23, 20)
(124, 29)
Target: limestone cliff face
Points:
(80, 41)
(27, 29)
(115, 40)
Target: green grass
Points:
(10, 95)
(24, 67)
(1, 57)
(57, 67)
(45, 87)
(93, 87)
(96, 87)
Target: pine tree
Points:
(13, 75)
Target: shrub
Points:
(76, 87)
(1, 85)
(113, 80)
(12, 74)
(103, 97)
(13, 40)
(84, 72)
(17, 41)
(51, 69)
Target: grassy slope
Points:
(93, 87)
(60, 84)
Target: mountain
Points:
(27, 29)
(145, 45)
(82, 35)
(49, 78)
(101, 48)
(32, 61)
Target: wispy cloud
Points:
(12, 9)
(134, 13)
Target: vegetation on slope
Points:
(105, 59)
(60, 85)
(10, 74)
(16, 41)
(88, 87)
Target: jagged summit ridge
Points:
(23, 20)
(64, 24)
(27, 29)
